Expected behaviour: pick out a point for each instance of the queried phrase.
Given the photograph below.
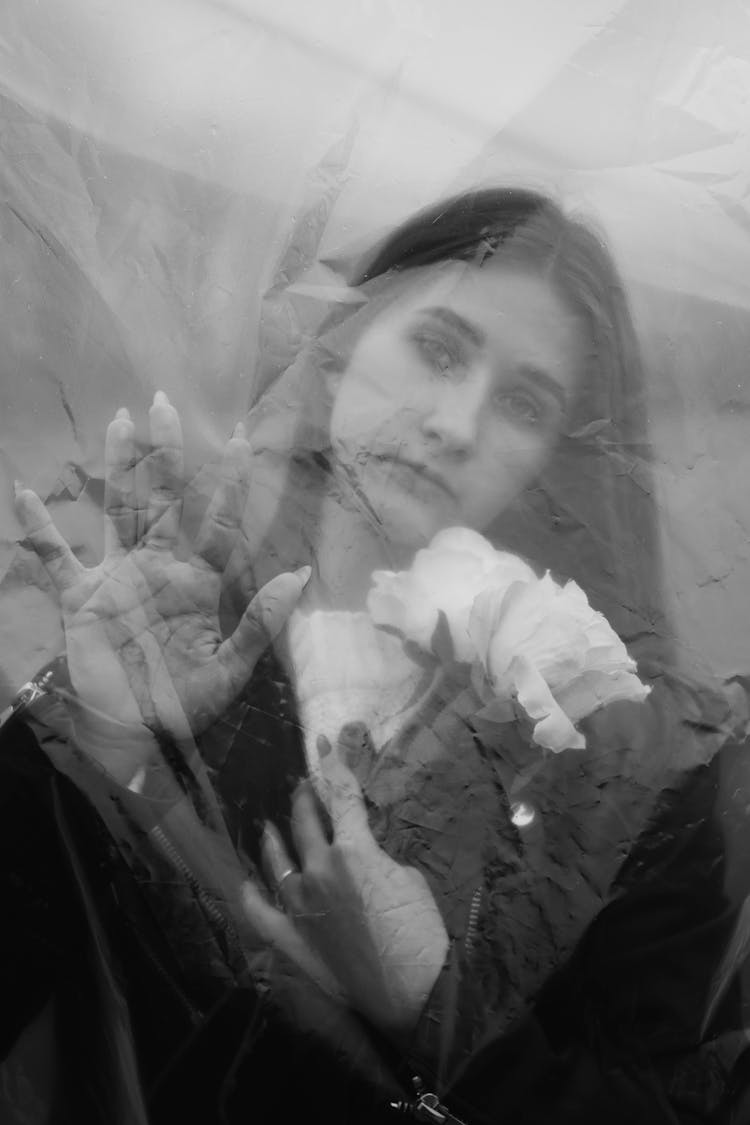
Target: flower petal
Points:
(596, 688)
(444, 577)
(466, 541)
(553, 729)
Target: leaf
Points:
(412, 649)
(442, 641)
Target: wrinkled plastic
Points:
(197, 220)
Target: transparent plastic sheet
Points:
(592, 899)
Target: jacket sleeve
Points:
(42, 932)
(616, 1035)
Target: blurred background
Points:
(168, 164)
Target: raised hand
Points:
(144, 646)
(371, 921)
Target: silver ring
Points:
(284, 875)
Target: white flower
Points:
(444, 577)
(528, 639)
(543, 644)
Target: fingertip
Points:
(354, 734)
(269, 835)
(30, 510)
(25, 500)
(19, 504)
(273, 850)
(160, 399)
(304, 573)
(121, 426)
(274, 602)
(237, 450)
(356, 748)
(303, 785)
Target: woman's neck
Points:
(348, 547)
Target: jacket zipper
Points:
(473, 923)
(221, 922)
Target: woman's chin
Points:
(409, 508)
(408, 523)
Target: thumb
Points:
(343, 797)
(263, 619)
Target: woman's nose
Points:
(455, 412)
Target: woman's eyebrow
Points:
(459, 323)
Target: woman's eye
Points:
(521, 407)
(436, 352)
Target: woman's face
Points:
(455, 396)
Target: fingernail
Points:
(324, 746)
(354, 743)
(239, 431)
(271, 842)
(17, 488)
(304, 785)
(304, 573)
(160, 399)
(354, 734)
(123, 414)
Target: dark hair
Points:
(458, 229)
(591, 515)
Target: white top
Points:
(345, 669)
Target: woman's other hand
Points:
(372, 921)
(144, 647)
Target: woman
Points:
(523, 930)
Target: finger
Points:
(263, 619)
(166, 474)
(343, 797)
(267, 923)
(280, 871)
(357, 750)
(59, 561)
(222, 520)
(121, 514)
(274, 928)
(307, 827)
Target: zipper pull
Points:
(27, 694)
(43, 683)
(427, 1107)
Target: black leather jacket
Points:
(615, 1036)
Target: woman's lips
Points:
(421, 471)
